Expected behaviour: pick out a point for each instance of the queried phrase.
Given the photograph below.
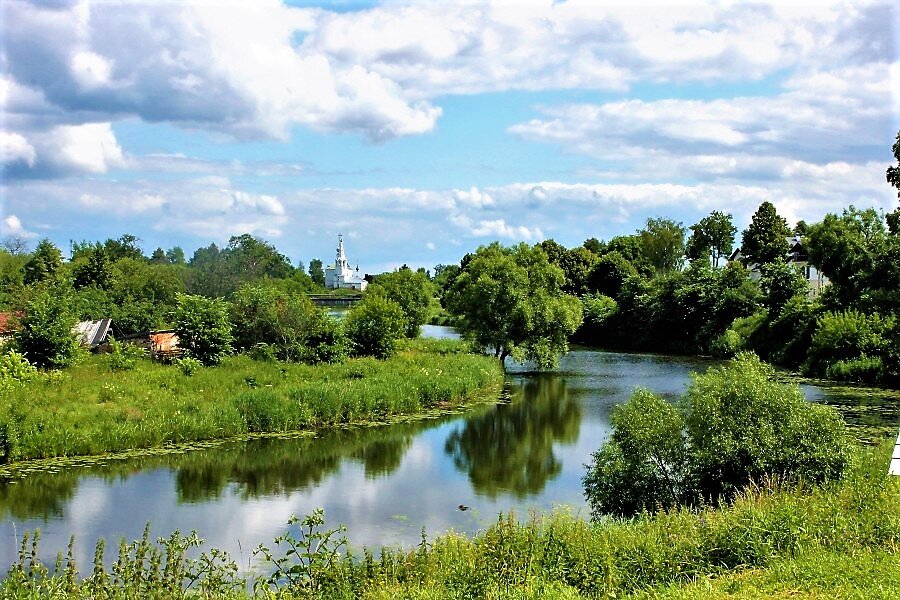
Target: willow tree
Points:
(510, 302)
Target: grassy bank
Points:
(89, 409)
(840, 540)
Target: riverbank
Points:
(91, 410)
(838, 540)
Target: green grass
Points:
(840, 540)
(89, 409)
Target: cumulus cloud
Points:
(90, 148)
(12, 226)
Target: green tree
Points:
(44, 264)
(411, 290)
(712, 237)
(780, 282)
(609, 274)
(45, 336)
(373, 325)
(159, 257)
(250, 259)
(203, 328)
(576, 265)
(175, 255)
(510, 301)
(316, 272)
(765, 239)
(735, 425)
(124, 247)
(662, 243)
(93, 269)
(594, 245)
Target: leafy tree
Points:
(373, 325)
(609, 274)
(159, 257)
(15, 245)
(444, 276)
(735, 425)
(316, 272)
(893, 171)
(662, 242)
(250, 259)
(594, 245)
(94, 269)
(203, 328)
(712, 237)
(631, 247)
(765, 239)
(124, 247)
(45, 263)
(45, 336)
(576, 265)
(780, 282)
(800, 228)
(411, 290)
(511, 302)
(175, 255)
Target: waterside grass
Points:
(90, 410)
(840, 540)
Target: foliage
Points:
(662, 242)
(316, 272)
(311, 557)
(411, 290)
(203, 328)
(123, 357)
(609, 274)
(765, 239)
(511, 302)
(852, 344)
(780, 282)
(735, 425)
(154, 404)
(45, 336)
(711, 238)
(44, 264)
(15, 369)
(373, 326)
(837, 540)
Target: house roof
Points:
(93, 333)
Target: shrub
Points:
(15, 369)
(848, 336)
(373, 326)
(188, 366)
(734, 425)
(123, 357)
(203, 329)
(45, 336)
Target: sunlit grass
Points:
(89, 409)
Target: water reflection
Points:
(511, 448)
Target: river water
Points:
(383, 483)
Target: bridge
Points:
(330, 301)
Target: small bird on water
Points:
(462, 507)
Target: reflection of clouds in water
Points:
(383, 483)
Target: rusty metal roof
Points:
(92, 333)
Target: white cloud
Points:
(14, 148)
(13, 226)
(499, 228)
(90, 148)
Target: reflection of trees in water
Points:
(510, 448)
(271, 466)
(258, 468)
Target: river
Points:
(383, 483)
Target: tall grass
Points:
(90, 409)
(773, 540)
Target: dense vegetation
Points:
(89, 409)
(837, 540)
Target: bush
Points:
(123, 357)
(374, 325)
(15, 369)
(850, 336)
(735, 425)
(45, 336)
(203, 328)
(188, 366)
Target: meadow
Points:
(92, 409)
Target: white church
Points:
(340, 275)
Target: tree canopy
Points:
(511, 302)
(765, 239)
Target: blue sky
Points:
(422, 130)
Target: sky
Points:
(421, 130)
